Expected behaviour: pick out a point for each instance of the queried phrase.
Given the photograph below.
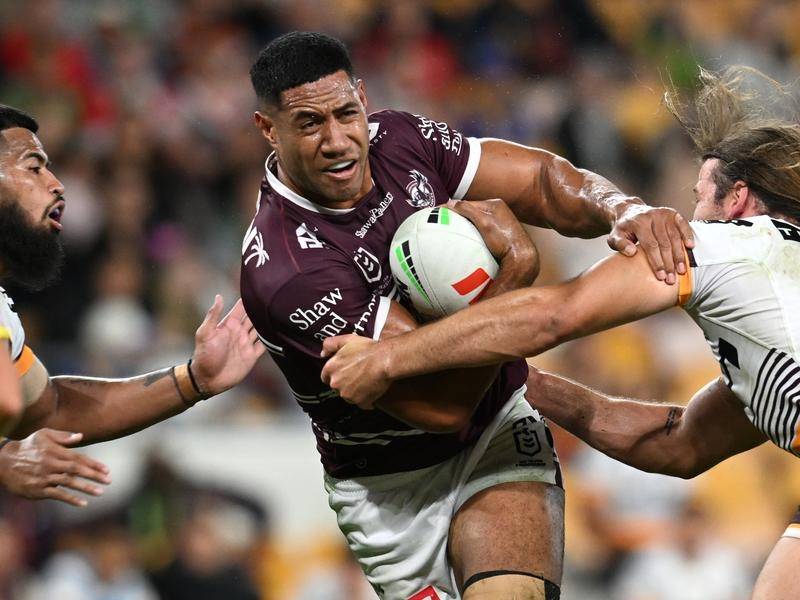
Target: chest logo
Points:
(420, 192)
(306, 238)
(254, 244)
(368, 263)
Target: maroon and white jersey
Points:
(311, 272)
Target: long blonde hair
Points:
(749, 122)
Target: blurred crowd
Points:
(145, 109)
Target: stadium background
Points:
(145, 109)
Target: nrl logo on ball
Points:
(420, 191)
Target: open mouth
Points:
(342, 169)
(55, 214)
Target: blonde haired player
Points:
(743, 290)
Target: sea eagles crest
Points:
(420, 191)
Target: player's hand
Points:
(224, 350)
(503, 234)
(356, 369)
(42, 466)
(661, 234)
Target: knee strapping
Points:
(551, 590)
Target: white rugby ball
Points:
(440, 262)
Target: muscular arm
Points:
(546, 190)
(444, 402)
(440, 402)
(528, 321)
(518, 324)
(103, 409)
(658, 438)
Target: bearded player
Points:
(57, 412)
(742, 290)
(442, 493)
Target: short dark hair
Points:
(296, 58)
(13, 117)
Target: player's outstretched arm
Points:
(658, 438)
(101, 409)
(518, 324)
(445, 401)
(547, 190)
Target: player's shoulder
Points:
(391, 117)
(735, 240)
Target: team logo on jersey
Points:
(254, 244)
(306, 238)
(420, 191)
(368, 263)
(525, 437)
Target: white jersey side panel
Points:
(746, 298)
(10, 321)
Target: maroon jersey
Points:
(311, 272)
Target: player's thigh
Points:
(780, 577)
(516, 527)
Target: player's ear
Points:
(266, 125)
(742, 200)
(362, 93)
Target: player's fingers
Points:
(327, 372)
(332, 345)
(665, 249)
(676, 241)
(62, 438)
(75, 465)
(649, 244)
(252, 335)
(212, 317)
(237, 314)
(76, 483)
(685, 229)
(621, 244)
(60, 494)
(473, 211)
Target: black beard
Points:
(31, 256)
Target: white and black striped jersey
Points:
(744, 292)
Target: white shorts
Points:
(397, 525)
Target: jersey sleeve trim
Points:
(5, 333)
(25, 361)
(380, 317)
(685, 282)
(472, 167)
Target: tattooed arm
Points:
(103, 409)
(658, 438)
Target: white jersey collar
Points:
(296, 198)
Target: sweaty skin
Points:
(525, 322)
